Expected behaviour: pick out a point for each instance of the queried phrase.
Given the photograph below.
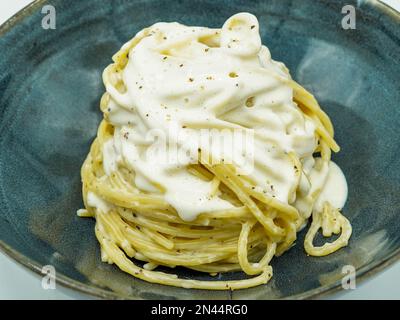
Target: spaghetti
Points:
(209, 215)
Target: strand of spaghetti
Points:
(284, 208)
(159, 254)
(255, 268)
(291, 235)
(217, 268)
(317, 223)
(162, 278)
(230, 244)
(159, 238)
(204, 219)
(240, 213)
(182, 231)
(308, 100)
(297, 171)
(214, 186)
(267, 222)
(125, 199)
(116, 233)
(325, 151)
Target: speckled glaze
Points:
(50, 86)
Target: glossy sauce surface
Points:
(180, 80)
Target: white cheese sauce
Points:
(181, 78)
(334, 190)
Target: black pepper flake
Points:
(191, 79)
(140, 87)
(137, 227)
(206, 49)
(181, 65)
(252, 27)
(147, 114)
(126, 135)
(165, 58)
(165, 38)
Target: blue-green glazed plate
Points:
(50, 87)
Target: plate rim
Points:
(323, 291)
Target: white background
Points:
(16, 282)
